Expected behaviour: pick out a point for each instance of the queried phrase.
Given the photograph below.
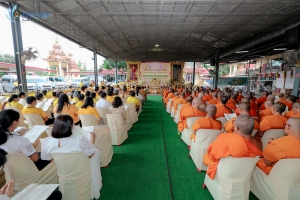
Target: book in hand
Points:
(47, 105)
(35, 192)
(34, 133)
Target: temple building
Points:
(62, 63)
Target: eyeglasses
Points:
(287, 124)
(2, 167)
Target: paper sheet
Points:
(34, 133)
(36, 192)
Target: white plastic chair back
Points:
(102, 112)
(190, 121)
(223, 120)
(177, 114)
(2, 99)
(23, 171)
(172, 112)
(133, 113)
(286, 172)
(204, 137)
(22, 102)
(34, 119)
(74, 171)
(128, 119)
(169, 105)
(272, 133)
(229, 116)
(187, 132)
(88, 120)
(118, 130)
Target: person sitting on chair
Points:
(63, 141)
(134, 100)
(13, 102)
(40, 100)
(88, 108)
(31, 109)
(12, 142)
(80, 102)
(117, 108)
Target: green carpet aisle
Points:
(139, 168)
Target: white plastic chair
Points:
(133, 113)
(172, 112)
(23, 171)
(232, 180)
(22, 102)
(128, 118)
(74, 171)
(34, 119)
(272, 133)
(177, 114)
(229, 116)
(187, 132)
(88, 120)
(118, 130)
(169, 105)
(283, 182)
(204, 137)
(102, 112)
(223, 120)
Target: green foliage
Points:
(82, 65)
(224, 70)
(7, 58)
(112, 65)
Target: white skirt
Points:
(96, 179)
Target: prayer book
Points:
(35, 192)
(34, 133)
(47, 105)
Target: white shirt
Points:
(18, 144)
(40, 104)
(22, 102)
(103, 104)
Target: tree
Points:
(112, 65)
(82, 65)
(7, 58)
(224, 70)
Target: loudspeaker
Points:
(292, 36)
(212, 62)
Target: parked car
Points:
(56, 81)
(42, 83)
(8, 81)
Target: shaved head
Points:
(280, 95)
(224, 99)
(196, 102)
(265, 93)
(245, 124)
(245, 100)
(214, 95)
(292, 99)
(176, 93)
(279, 107)
(295, 124)
(228, 94)
(182, 94)
(245, 107)
(211, 110)
(271, 97)
(189, 99)
(296, 107)
(286, 96)
(268, 104)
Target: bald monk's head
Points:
(189, 99)
(181, 95)
(234, 96)
(224, 100)
(176, 93)
(172, 90)
(265, 93)
(292, 127)
(211, 110)
(206, 91)
(214, 95)
(278, 108)
(196, 103)
(244, 108)
(245, 100)
(228, 94)
(296, 107)
(292, 99)
(268, 104)
(244, 125)
(271, 97)
(280, 95)
(200, 95)
(286, 96)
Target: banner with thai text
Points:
(151, 71)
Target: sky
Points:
(36, 36)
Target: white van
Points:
(75, 82)
(56, 81)
(8, 81)
(42, 83)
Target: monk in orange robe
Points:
(173, 99)
(240, 96)
(252, 111)
(244, 109)
(290, 101)
(178, 101)
(222, 108)
(214, 99)
(274, 121)
(282, 148)
(180, 89)
(238, 144)
(295, 111)
(260, 101)
(206, 96)
(270, 97)
(190, 111)
(267, 111)
(170, 95)
(252, 96)
(207, 122)
(187, 93)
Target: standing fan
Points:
(290, 59)
(29, 54)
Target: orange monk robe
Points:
(264, 113)
(289, 105)
(186, 95)
(205, 123)
(252, 112)
(281, 148)
(261, 101)
(177, 102)
(229, 126)
(253, 99)
(229, 144)
(206, 97)
(170, 95)
(296, 115)
(188, 111)
(166, 94)
(180, 90)
(221, 110)
(231, 104)
(173, 99)
(254, 105)
(272, 122)
(239, 98)
(289, 114)
(213, 101)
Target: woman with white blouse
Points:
(117, 108)
(63, 141)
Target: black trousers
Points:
(56, 195)
(49, 121)
(40, 164)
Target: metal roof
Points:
(184, 30)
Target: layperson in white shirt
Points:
(117, 108)
(12, 142)
(63, 141)
(102, 101)
(22, 98)
(39, 100)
